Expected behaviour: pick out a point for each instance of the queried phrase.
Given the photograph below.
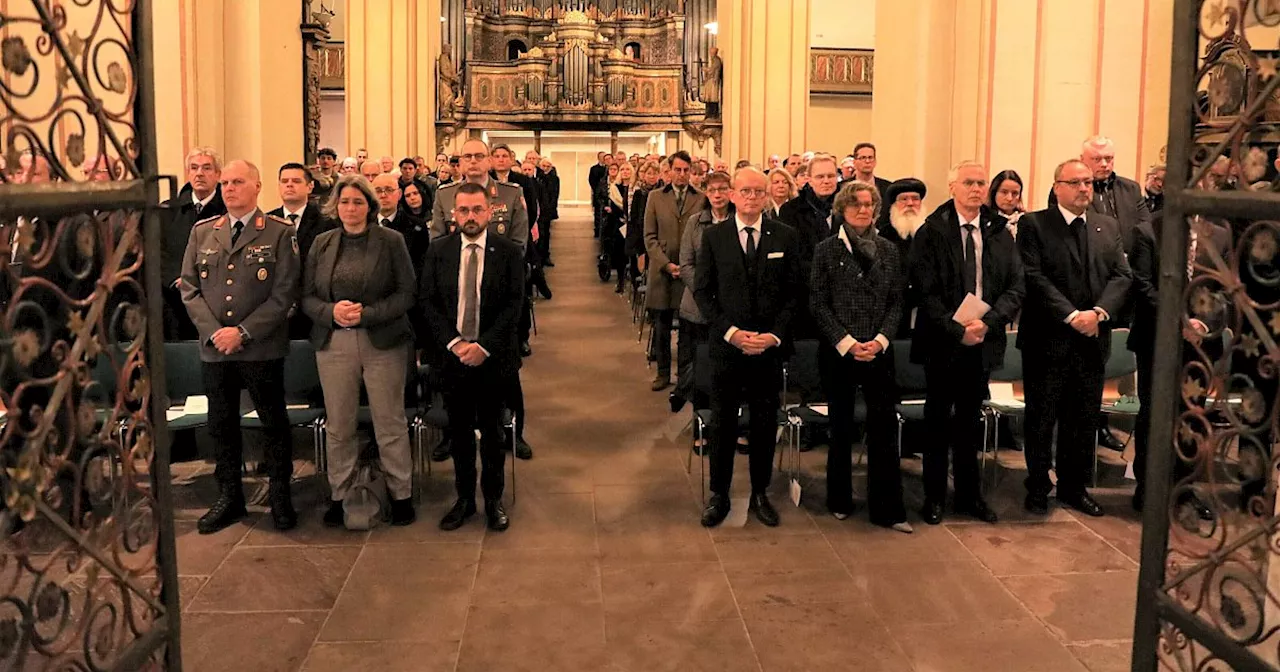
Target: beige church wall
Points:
(1019, 84)
(391, 49)
(837, 123)
(213, 89)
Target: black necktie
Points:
(199, 207)
(235, 232)
(293, 219)
(680, 201)
(751, 250)
(1078, 236)
(970, 261)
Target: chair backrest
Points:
(804, 377)
(301, 376)
(1121, 362)
(1010, 370)
(909, 375)
(182, 375)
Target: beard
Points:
(906, 224)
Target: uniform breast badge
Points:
(502, 229)
(262, 274)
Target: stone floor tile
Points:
(681, 592)
(809, 637)
(534, 638)
(936, 592)
(1022, 645)
(1081, 607)
(381, 656)
(538, 576)
(221, 642)
(1047, 548)
(277, 579)
(666, 646)
(200, 554)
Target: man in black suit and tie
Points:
(472, 292)
(961, 249)
(296, 183)
(747, 286)
(1077, 279)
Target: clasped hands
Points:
(752, 342)
(227, 340)
(975, 332)
(865, 352)
(347, 313)
(470, 354)
(1086, 323)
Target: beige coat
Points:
(663, 226)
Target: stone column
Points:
(765, 101)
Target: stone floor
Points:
(606, 568)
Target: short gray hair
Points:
(848, 196)
(954, 173)
(204, 151)
(1096, 141)
(353, 181)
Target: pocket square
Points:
(776, 255)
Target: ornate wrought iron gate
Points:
(1209, 588)
(88, 576)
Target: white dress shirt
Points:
(1070, 218)
(481, 240)
(846, 344)
(977, 245)
(203, 203)
(758, 225)
(388, 220)
(288, 213)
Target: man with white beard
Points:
(906, 215)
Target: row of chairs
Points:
(304, 398)
(801, 380)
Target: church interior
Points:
(111, 108)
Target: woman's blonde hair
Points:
(791, 182)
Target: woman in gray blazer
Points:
(358, 286)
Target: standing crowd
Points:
(811, 248)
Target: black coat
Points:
(1123, 200)
(1145, 264)
(501, 296)
(416, 233)
(855, 296)
(599, 173)
(1059, 281)
(910, 298)
(635, 223)
(937, 267)
(808, 214)
(549, 182)
(176, 229)
(310, 225)
(728, 297)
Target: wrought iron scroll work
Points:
(1209, 590)
(87, 576)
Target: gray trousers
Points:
(348, 359)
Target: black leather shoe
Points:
(977, 509)
(549, 264)
(282, 514)
(765, 513)
(225, 512)
(1037, 504)
(1108, 440)
(717, 510)
(525, 350)
(931, 512)
(677, 402)
(496, 515)
(334, 515)
(402, 512)
(1084, 504)
(442, 451)
(461, 511)
(523, 450)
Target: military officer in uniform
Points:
(239, 280)
(510, 219)
(506, 200)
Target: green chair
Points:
(1120, 364)
(183, 379)
(911, 382)
(303, 398)
(1010, 371)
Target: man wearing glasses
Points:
(864, 169)
(510, 219)
(1077, 280)
(746, 286)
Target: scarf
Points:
(863, 244)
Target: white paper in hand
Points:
(972, 308)
(795, 492)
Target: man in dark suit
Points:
(199, 199)
(746, 287)
(1118, 197)
(1145, 262)
(864, 167)
(549, 181)
(1077, 279)
(295, 183)
(961, 249)
(471, 292)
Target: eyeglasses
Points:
(862, 206)
(864, 158)
(752, 193)
(969, 184)
(718, 190)
(1077, 184)
(384, 191)
(474, 157)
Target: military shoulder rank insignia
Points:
(218, 221)
(281, 220)
(258, 223)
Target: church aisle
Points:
(605, 566)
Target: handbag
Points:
(366, 498)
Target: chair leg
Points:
(1096, 434)
(514, 459)
(702, 463)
